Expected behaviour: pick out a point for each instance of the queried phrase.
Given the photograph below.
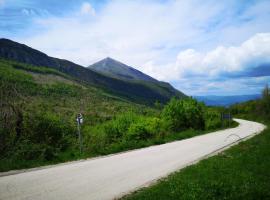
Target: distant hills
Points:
(226, 100)
(108, 74)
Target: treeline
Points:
(255, 109)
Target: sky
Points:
(201, 47)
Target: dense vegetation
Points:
(39, 106)
(178, 119)
(242, 172)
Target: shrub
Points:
(115, 129)
(212, 119)
(99, 137)
(47, 133)
(140, 130)
(183, 114)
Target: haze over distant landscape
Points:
(222, 49)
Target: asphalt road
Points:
(112, 176)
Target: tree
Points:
(266, 99)
(184, 113)
(11, 117)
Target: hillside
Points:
(135, 91)
(38, 109)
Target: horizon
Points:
(223, 49)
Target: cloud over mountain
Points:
(232, 61)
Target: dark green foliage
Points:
(178, 120)
(42, 136)
(41, 70)
(184, 113)
(61, 89)
(49, 129)
(266, 100)
(212, 118)
(115, 129)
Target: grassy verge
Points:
(242, 172)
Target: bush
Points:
(212, 119)
(115, 129)
(125, 130)
(101, 136)
(183, 114)
(266, 100)
(47, 134)
(141, 130)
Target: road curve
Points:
(113, 176)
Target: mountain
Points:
(116, 69)
(226, 100)
(136, 91)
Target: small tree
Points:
(184, 113)
(266, 92)
(266, 99)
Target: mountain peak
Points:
(113, 68)
(109, 61)
(5, 39)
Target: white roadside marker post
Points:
(79, 120)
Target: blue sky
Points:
(202, 47)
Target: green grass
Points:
(31, 68)
(242, 172)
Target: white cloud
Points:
(250, 53)
(213, 63)
(120, 31)
(28, 12)
(240, 86)
(25, 11)
(87, 9)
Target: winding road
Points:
(112, 176)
